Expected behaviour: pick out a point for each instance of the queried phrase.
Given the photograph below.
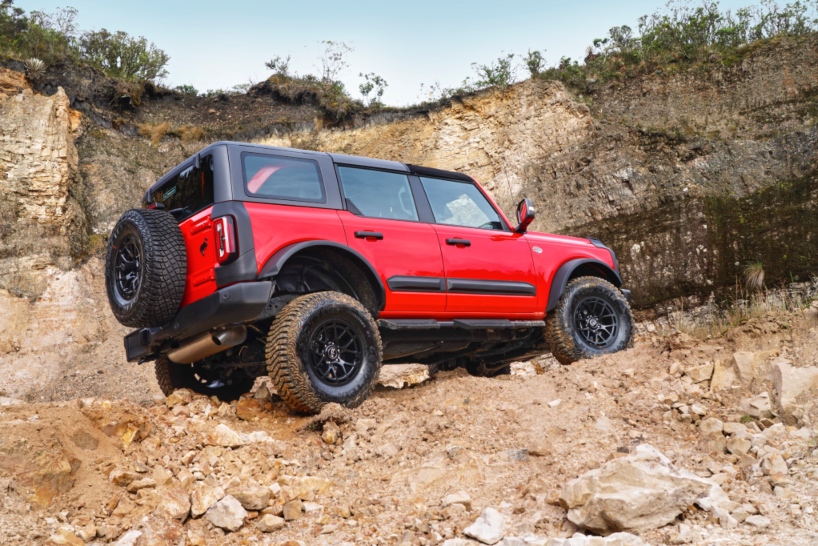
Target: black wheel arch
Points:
(580, 267)
(278, 261)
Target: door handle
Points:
(369, 235)
(455, 242)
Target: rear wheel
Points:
(203, 377)
(145, 268)
(592, 318)
(323, 347)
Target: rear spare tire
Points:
(145, 268)
(592, 318)
(323, 347)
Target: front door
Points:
(489, 269)
(382, 224)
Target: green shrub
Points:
(120, 55)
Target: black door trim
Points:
(475, 286)
(460, 286)
(416, 284)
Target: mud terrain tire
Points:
(172, 376)
(323, 347)
(592, 318)
(145, 268)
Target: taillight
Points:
(225, 228)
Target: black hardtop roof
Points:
(339, 159)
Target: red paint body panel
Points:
(407, 249)
(277, 226)
(493, 255)
(201, 256)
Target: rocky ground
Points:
(675, 441)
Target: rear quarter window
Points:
(189, 191)
(279, 177)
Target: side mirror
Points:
(525, 215)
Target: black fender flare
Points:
(564, 273)
(277, 261)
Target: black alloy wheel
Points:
(596, 322)
(128, 267)
(336, 352)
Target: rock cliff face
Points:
(688, 176)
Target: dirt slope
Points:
(378, 474)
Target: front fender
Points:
(568, 268)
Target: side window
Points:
(378, 194)
(460, 204)
(282, 177)
(189, 191)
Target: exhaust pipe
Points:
(208, 344)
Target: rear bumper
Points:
(234, 304)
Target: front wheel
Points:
(592, 318)
(323, 347)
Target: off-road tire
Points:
(162, 265)
(172, 376)
(289, 344)
(562, 333)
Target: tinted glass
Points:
(282, 177)
(378, 194)
(460, 204)
(189, 191)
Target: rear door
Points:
(489, 269)
(381, 222)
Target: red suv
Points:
(315, 268)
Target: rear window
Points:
(189, 191)
(282, 178)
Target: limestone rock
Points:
(129, 539)
(642, 491)
(293, 510)
(203, 497)
(251, 495)
(489, 527)
(616, 539)
(64, 537)
(269, 523)
(223, 436)
(144, 483)
(757, 406)
(175, 502)
(724, 376)
(711, 425)
(700, 373)
(758, 521)
(180, 397)
(121, 476)
(249, 409)
(227, 514)
(749, 366)
(736, 429)
(738, 446)
(790, 383)
(461, 497)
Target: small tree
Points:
(372, 82)
(279, 65)
(333, 60)
(500, 73)
(120, 55)
(534, 62)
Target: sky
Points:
(218, 44)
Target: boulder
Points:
(749, 366)
(711, 425)
(790, 384)
(203, 497)
(488, 528)
(223, 436)
(724, 376)
(700, 373)
(461, 497)
(293, 509)
(227, 514)
(639, 492)
(270, 523)
(757, 406)
(251, 495)
(175, 503)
